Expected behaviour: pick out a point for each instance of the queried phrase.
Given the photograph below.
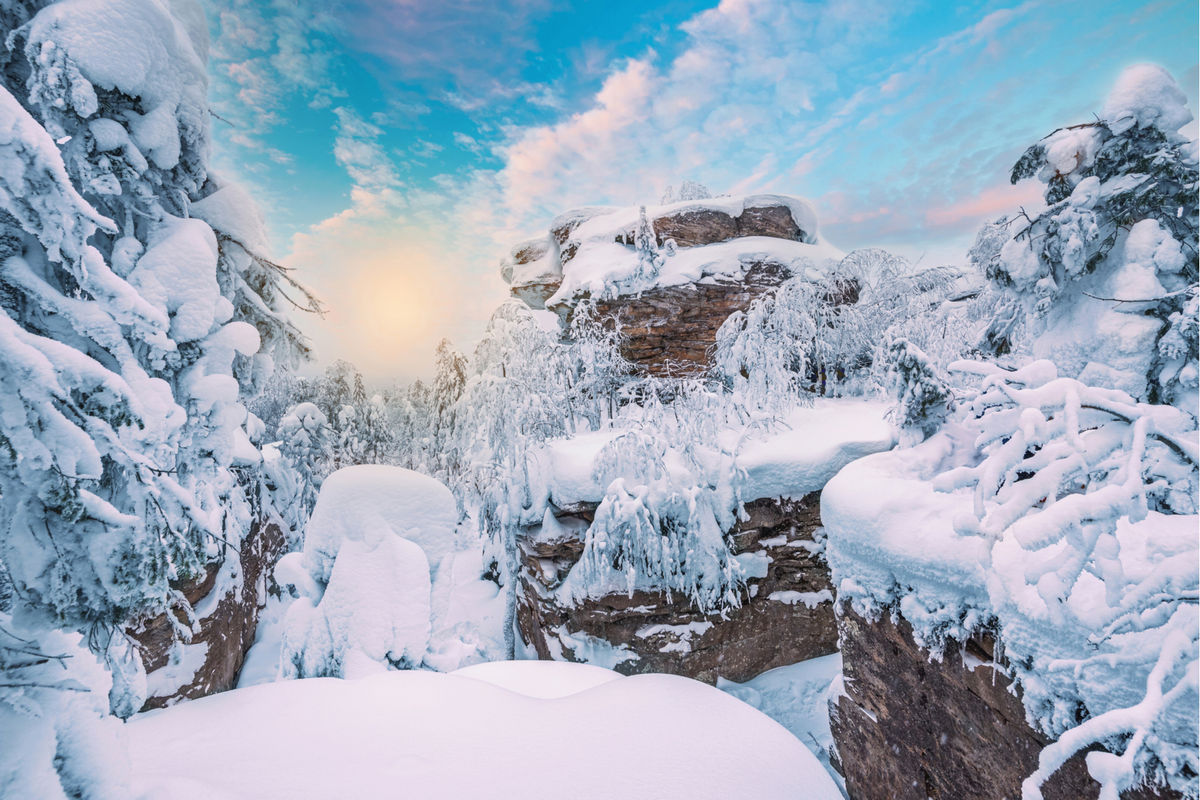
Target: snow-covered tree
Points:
(820, 331)
(514, 400)
(1102, 280)
(596, 368)
(449, 382)
(922, 392)
(306, 441)
(645, 243)
(688, 190)
(129, 341)
(1062, 469)
(763, 353)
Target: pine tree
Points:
(649, 259)
(1117, 243)
(923, 395)
(132, 331)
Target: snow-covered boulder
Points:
(369, 502)
(489, 732)
(363, 580)
(374, 614)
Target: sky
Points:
(399, 148)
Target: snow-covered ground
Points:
(797, 697)
(525, 729)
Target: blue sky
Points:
(399, 147)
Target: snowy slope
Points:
(473, 735)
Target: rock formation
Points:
(786, 614)
(671, 331)
(670, 325)
(911, 728)
(227, 612)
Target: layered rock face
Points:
(908, 728)
(227, 612)
(672, 331)
(786, 615)
(535, 268)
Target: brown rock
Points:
(909, 728)
(228, 630)
(773, 221)
(672, 330)
(760, 635)
(530, 251)
(695, 227)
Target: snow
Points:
(891, 537)
(680, 634)
(602, 267)
(138, 48)
(1145, 95)
(811, 444)
(797, 697)
(363, 582)
(808, 599)
(368, 502)
(796, 457)
(468, 614)
(230, 210)
(185, 661)
(549, 680)
(424, 734)
(374, 613)
(178, 274)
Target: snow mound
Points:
(370, 501)
(374, 613)
(554, 679)
(363, 582)
(423, 734)
(468, 613)
(1146, 95)
(811, 445)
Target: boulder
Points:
(786, 616)
(691, 227)
(772, 221)
(911, 728)
(533, 271)
(226, 631)
(761, 216)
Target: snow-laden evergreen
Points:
(139, 314)
(1103, 281)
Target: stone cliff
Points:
(717, 255)
(908, 727)
(786, 613)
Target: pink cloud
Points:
(988, 204)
